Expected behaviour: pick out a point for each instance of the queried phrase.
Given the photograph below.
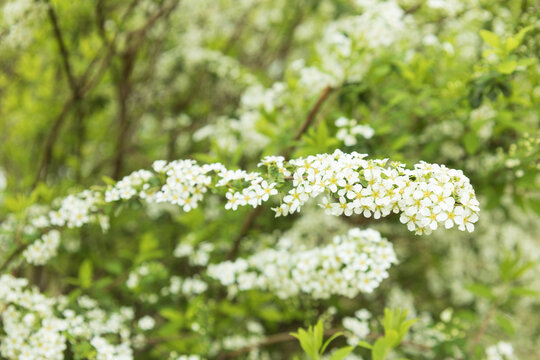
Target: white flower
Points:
(146, 323)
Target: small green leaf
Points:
(342, 353)
(507, 67)
(86, 271)
(470, 140)
(524, 292)
(490, 38)
(505, 324)
(365, 345)
(380, 349)
(327, 342)
(480, 290)
(511, 44)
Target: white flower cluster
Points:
(125, 188)
(75, 210)
(108, 351)
(188, 286)
(184, 357)
(349, 130)
(146, 323)
(428, 196)
(354, 263)
(40, 251)
(198, 256)
(501, 351)
(19, 16)
(341, 50)
(357, 327)
(147, 270)
(34, 331)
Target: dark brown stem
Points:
(123, 91)
(250, 220)
(313, 112)
(63, 51)
(19, 250)
(248, 224)
(50, 141)
(134, 40)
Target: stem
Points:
(483, 327)
(63, 50)
(250, 220)
(313, 112)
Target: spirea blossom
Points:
(36, 327)
(500, 351)
(354, 263)
(40, 251)
(357, 327)
(427, 197)
(349, 130)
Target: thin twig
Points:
(63, 50)
(86, 83)
(483, 327)
(313, 113)
(248, 224)
(250, 219)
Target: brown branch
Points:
(17, 251)
(49, 142)
(483, 327)
(124, 89)
(250, 219)
(86, 84)
(63, 50)
(313, 112)
(248, 224)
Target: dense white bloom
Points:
(349, 130)
(38, 327)
(40, 251)
(357, 327)
(354, 263)
(500, 351)
(146, 323)
(428, 197)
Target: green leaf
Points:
(172, 314)
(470, 140)
(507, 67)
(86, 271)
(365, 345)
(524, 292)
(490, 38)
(380, 350)
(481, 290)
(505, 324)
(534, 204)
(318, 335)
(521, 34)
(327, 342)
(342, 353)
(511, 44)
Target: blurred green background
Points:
(92, 90)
